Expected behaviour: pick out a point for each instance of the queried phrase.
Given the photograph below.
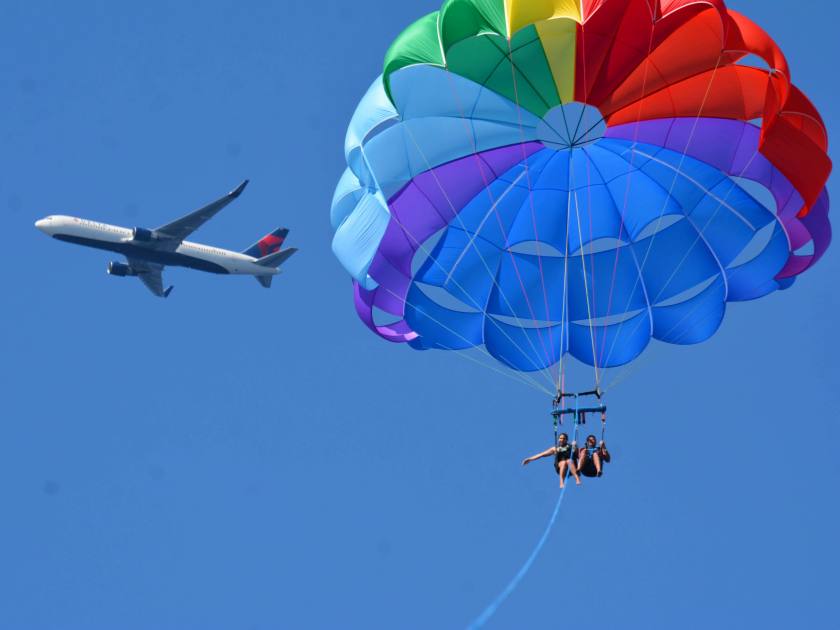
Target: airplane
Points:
(148, 251)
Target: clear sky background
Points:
(236, 458)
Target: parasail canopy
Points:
(547, 177)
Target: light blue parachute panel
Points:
(348, 194)
(357, 239)
(438, 118)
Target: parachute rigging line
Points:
(429, 255)
(513, 70)
(627, 370)
(494, 207)
(546, 372)
(514, 376)
(630, 170)
(678, 172)
(585, 282)
(491, 609)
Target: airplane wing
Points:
(181, 228)
(151, 274)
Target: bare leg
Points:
(574, 470)
(596, 459)
(581, 459)
(562, 472)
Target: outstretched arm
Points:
(546, 453)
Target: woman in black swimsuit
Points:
(564, 461)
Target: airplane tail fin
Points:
(268, 244)
(273, 260)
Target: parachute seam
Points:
(609, 50)
(722, 202)
(475, 234)
(515, 68)
(668, 87)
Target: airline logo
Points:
(270, 244)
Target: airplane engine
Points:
(120, 269)
(142, 234)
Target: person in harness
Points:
(592, 456)
(564, 462)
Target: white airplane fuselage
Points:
(121, 240)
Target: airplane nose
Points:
(42, 224)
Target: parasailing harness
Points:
(578, 413)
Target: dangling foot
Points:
(577, 482)
(600, 473)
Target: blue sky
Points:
(240, 458)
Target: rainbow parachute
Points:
(541, 177)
